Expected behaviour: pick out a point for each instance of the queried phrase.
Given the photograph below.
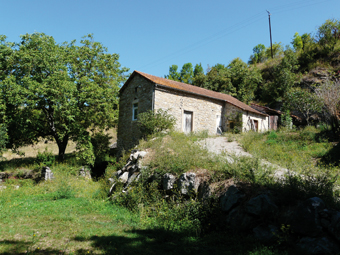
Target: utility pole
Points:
(270, 32)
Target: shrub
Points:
(45, 158)
(151, 122)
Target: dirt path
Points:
(220, 144)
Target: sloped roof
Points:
(193, 90)
(265, 109)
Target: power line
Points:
(233, 28)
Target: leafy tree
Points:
(329, 94)
(245, 79)
(258, 54)
(284, 77)
(304, 102)
(328, 34)
(198, 70)
(297, 42)
(60, 91)
(307, 40)
(173, 74)
(277, 50)
(187, 73)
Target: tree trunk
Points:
(62, 144)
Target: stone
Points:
(305, 218)
(266, 233)
(46, 173)
(84, 172)
(168, 181)
(238, 219)
(188, 183)
(204, 191)
(124, 177)
(261, 205)
(230, 199)
(334, 226)
(316, 246)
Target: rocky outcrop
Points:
(130, 172)
(308, 225)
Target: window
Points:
(134, 111)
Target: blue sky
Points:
(151, 35)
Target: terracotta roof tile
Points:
(194, 90)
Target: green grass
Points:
(72, 215)
(297, 150)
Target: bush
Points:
(45, 158)
(151, 122)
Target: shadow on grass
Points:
(158, 241)
(332, 157)
(10, 247)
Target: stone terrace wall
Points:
(128, 131)
(204, 110)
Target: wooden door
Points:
(256, 125)
(273, 122)
(187, 122)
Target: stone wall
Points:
(204, 110)
(139, 90)
(232, 111)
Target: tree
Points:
(297, 42)
(61, 91)
(258, 54)
(277, 50)
(198, 70)
(173, 74)
(245, 79)
(329, 94)
(304, 102)
(187, 73)
(328, 34)
(284, 77)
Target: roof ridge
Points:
(194, 90)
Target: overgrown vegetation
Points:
(152, 122)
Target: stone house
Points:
(195, 108)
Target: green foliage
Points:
(45, 158)
(297, 42)
(328, 34)
(258, 54)
(277, 50)
(237, 79)
(186, 74)
(59, 91)
(304, 102)
(101, 145)
(151, 122)
(284, 77)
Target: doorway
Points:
(187, 122)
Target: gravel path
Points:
(220, 144)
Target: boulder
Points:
(168, 181)
(124, 177)
(204, 191)
(266, 233)
(231, 198)
(261, 205)
(334, 226)
(188, 183)
(316, 246)
(239, 220)
(46, 173)
(305, 218)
